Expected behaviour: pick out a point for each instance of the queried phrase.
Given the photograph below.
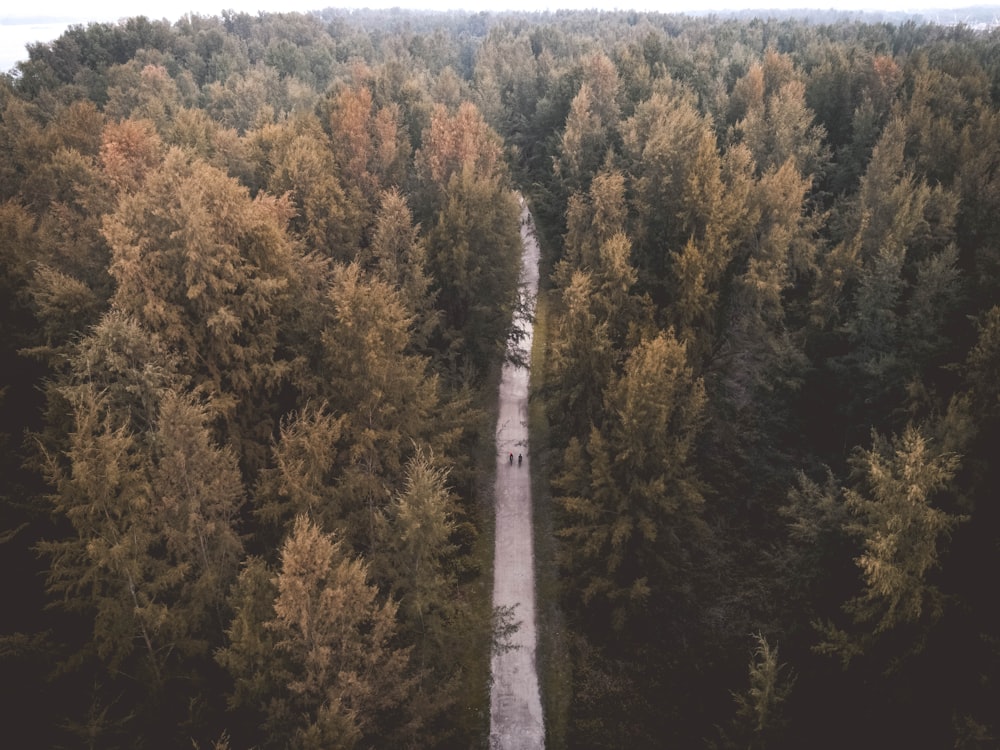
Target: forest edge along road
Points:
(515, 700)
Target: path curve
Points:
(515, 700)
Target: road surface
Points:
(515, 702)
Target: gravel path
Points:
(515, 703)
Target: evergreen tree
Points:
(398, 255)
(631, 500)
(152, 553)
(759, 714)
(298, 161)
(897, 516)
(325, 645)
(206, 268)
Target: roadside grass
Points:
(554, 666)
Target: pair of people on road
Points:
(510, 459)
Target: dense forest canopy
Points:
(257, 276)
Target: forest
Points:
(257, 275)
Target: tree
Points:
(398, 254)
(107, 565)
(455, 143)
(757, 363)
(322, 662)
(298, 160)
(631, 501)
(591, 125)
(146, 91)
(426, 567)
(474, 253)
(898, 518)
(759, 714)
(421, 525)
(976, 226)
(130, 149)
(584, 142)
(983, 364)
(775, 122)
(582, 361)
(152, 551)
(878, 281)
(473, 245)
(372, 149)
(386, 394)
(207, 269)
(688, 201)
(592, 218)
(200, 494)
(302, 481)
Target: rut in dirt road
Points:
(515, 701)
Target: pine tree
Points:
(398, 255)
(898, 518)
(474, 253)
(631, 500)
(153, 547)
(901, 528)
(760, 709)
(302, 481)
(592, 124)
(107, 567)
(421, 525)
(371, 145)
(206, 269)
(581, 363)
(129, 150)
(199, 496)
(298, 160)
(385, 393)
(690, 206)
(322, 665)
(774, 120)
(877, 279)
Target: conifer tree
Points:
(631, 500)
(421, 524)
(902, 528)
(581, 363)
(758, 362)
(592, 124)
(398, 255)
(473, 252)
(298, 160)
(592, 219)
(473, 245)
(152, 503)
(689, 201)
(371, 145)
(775, 122)
(877, 282)
(302, 481)
(207, 269)
(385, 393)
(321, 662)
(760, 707)
(129, 150)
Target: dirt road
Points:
(515, 702)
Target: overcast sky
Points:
(42, 21)
(173, 9)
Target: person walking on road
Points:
(518, 459)
(510, 459)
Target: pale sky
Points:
(173, 9)
(21, 23)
